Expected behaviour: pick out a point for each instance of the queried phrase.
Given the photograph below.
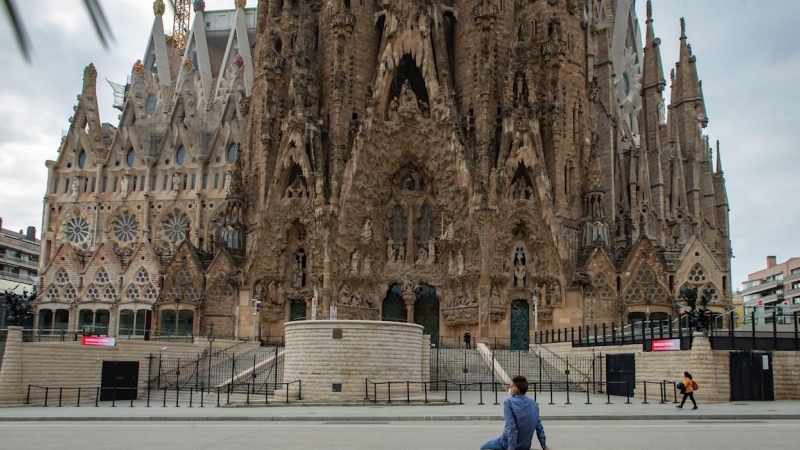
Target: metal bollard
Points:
(389, 391)
(164, 405)
(97, 397)
(114, 397)
(60, 395)
(645, 393)
(191, 391)
(132, 396)
(480, 389)
(248, 394)
(408, 392)
(608, 393)
(460, 402)
(425, 388)
(551, 394)
(46, 394)
(627, 393)
(79, 398)
(287, 393)
(202, 391)
(568, 403)
(588, 401)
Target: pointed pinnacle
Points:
(683, 28)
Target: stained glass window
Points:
(77, 230)
(126, 228)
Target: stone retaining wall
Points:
(321, 357)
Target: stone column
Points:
(409, 299)
(11, 371)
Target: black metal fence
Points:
(401, 392)
(774, 332)
(221, 395)
(469, 368)
(247, 371)
(617, 334)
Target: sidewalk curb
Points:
(737, 417)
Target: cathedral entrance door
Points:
(520, 325)
(394, 309)
(426, 311)
(298, 311)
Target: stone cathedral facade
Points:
(448, 163)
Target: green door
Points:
(394, 308)
(520, 325)
(426, 311)
(298, 311)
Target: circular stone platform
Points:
(334, 357)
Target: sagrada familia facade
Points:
(445, 162)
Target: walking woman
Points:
(688, 390)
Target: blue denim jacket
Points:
(522, 419)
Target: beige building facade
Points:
(444, 163)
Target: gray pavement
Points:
(470, 410)
(386, 435)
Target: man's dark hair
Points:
(521, 383)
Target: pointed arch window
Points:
(180, 155)
(233, 153)
(130, 157)
(152, 102)
(81, 159)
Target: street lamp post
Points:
(256, 304)
(535, 300)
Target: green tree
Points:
(18, 308)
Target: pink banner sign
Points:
(99, 341)
(666, 345)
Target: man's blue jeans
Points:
(494, 444)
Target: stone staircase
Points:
(463, 366)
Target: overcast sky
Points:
(747, 57)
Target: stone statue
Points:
(176, 182)
(390, 251)
(450, 234)
(460, 262)
(555, 293)
(409, 287)
(75, 187)
(297, 272)
(354, 263)
(451, 264)
(519, 273)
(228, 179)
(124, 184)
(431, 251)
(366, 265)
(401, 253)
(344, 296)
(366, 230)
(422, 256)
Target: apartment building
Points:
(776, 286)
(19, 259)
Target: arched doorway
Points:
(393, 308)
(298, 311)
(520, 325)
(426, 311)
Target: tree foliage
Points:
(18, 307)
(699, 317)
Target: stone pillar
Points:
(409, 299)
(11, 370)
(711, 370)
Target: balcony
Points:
(767, 300)
(765, 286)
(20, 278)
(788, 279)
(14, 261)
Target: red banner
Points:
(99, 341)
(666, 345)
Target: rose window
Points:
(126, 228)
(52, 293)
(192, 294)
(176, 227)
(183, 277)
(697, 275)
(77, 230)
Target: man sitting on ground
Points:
(522, 419)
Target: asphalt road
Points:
(562, 435)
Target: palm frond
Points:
(19, 30)
(99, 21)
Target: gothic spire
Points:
(687, 85)
(653, 71)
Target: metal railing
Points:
(55, 396)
